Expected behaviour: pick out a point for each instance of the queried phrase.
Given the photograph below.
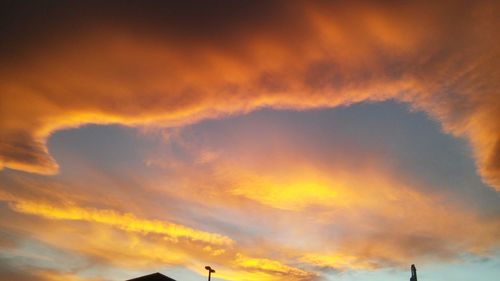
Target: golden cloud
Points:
(441, 58)
(126, 222)
(374, 212)
(134, 247)
(335, 55)
(329, 216)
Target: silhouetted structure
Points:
(153, 277)
(210, 271)
(413, 273)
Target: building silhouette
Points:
(153, 277)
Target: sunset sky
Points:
(272, 140)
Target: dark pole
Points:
(210, 271)
(413, 273)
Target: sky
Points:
(271, 140)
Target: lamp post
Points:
(210, 271)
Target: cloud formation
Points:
(126, 222)
(359, 217)
(169, 65)
(141, 243)
(150, 66)
(303, 211)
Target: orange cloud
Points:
(42, 275)
(336, 55)
(288, 192)
(126, 222)
(441, 58)
(364, 218)
(46, 275)
(135, 246)
(336, 215)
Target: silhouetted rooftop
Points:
(153, 277)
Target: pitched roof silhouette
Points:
(153, 277)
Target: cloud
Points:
(126, 241)
(314, 206)
(273, 267)
(60, 276)
(175, 64)
(13, 272)
(341, 213)
(361, 218)
(442, 58)
(126, 222)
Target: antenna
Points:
(413, 273)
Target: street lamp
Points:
(210, 271)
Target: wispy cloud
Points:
(127, 222)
